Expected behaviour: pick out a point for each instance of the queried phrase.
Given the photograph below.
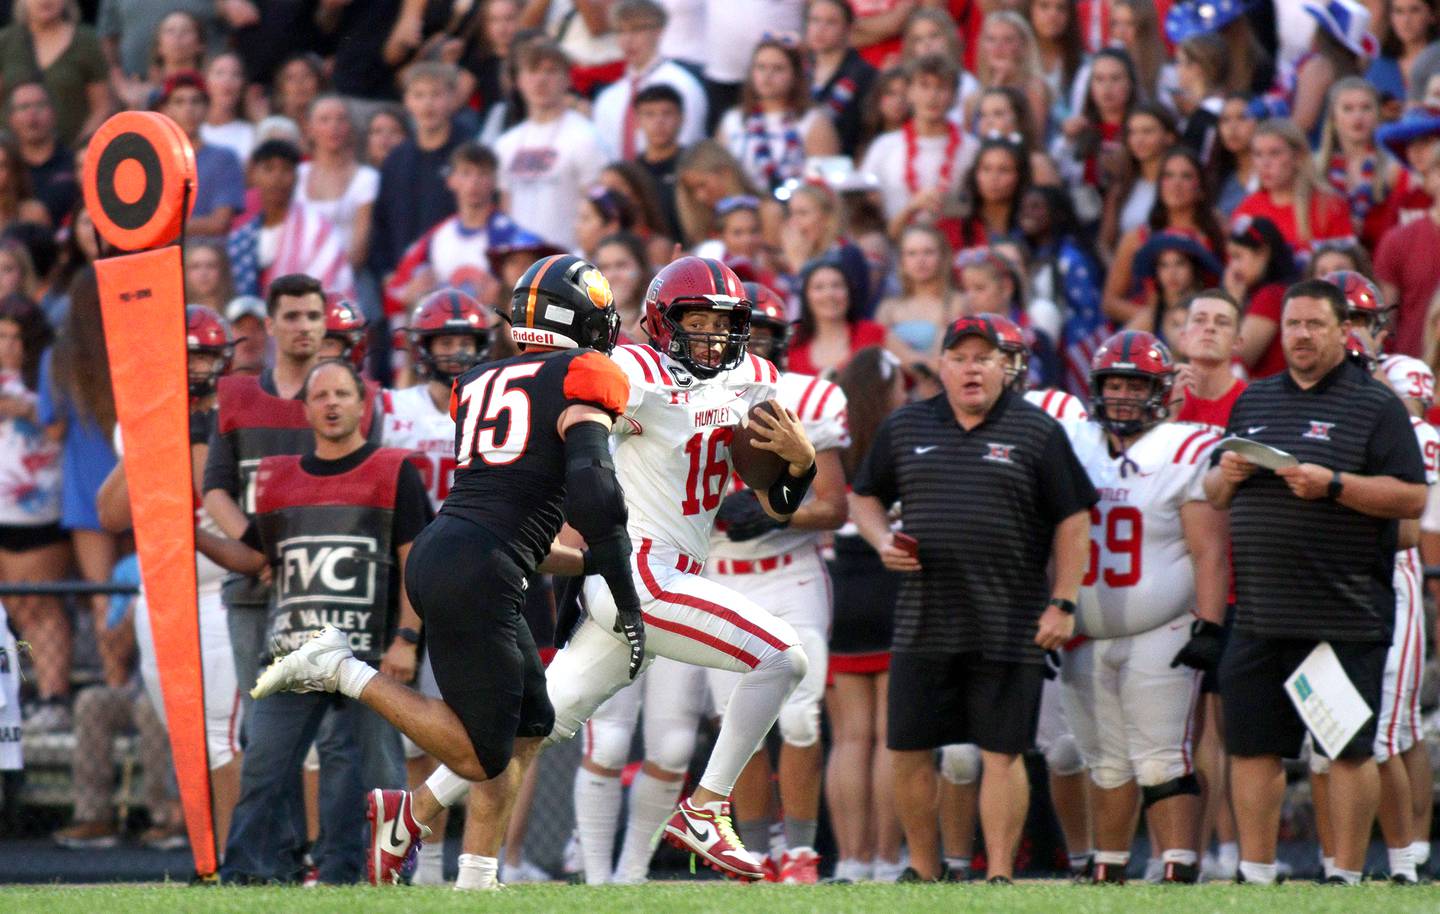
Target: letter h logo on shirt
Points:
(327, 569)
(1320, 431)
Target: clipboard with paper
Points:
(1326, 700)
(1262, 455)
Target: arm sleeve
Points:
(1064, 486)
(877, 472)
(222, 470)
(251, 537)
(1392, 449)
(412, 506)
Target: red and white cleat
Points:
(770, 868)
(395, 837)
(706, 832)
(800, 866)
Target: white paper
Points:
(1326, 699)
(1262, 455)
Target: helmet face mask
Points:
(769, 328)
(1131, 354)
(207, 333)
(345, 326)
(707, 353)
(451, 365)
(693, 284)
(448, 313)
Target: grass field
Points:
(721, 898)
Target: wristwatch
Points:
(409, 635)
(1065, 606)
(1336, 486)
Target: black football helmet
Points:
(564, 302)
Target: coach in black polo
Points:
(1314, 551)
(989, 489)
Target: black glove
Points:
(744, 518)
(629, 623)
(1052, 664)
(1202, 651)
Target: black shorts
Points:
(1210, 679)
(864, 595)
(26, 538)
(470, 592)
(940, 699)
(1259, 718)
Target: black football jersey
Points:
(509, 456)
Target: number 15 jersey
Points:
(509, 456)
(672, 447)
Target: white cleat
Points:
(312, 667)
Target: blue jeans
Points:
(358, 750)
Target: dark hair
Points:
(845, 10)
(799, 98)
(39, 243)
(34, 81)
(1071, 42)
(865, 380)
(1020, 105)
(35, 334)
(326, 363)
(1204, 208)
(532, 55)
(1325, 291)
(1347, 246)
(870, 123)
(1280, 266)
(80, 363)
(643, 194)
(659, 92)
(635, 247)
(276, 149)
(936, 65)
(612, 206)
(1064, 223)
(293, 285)
(805, 326)
(1217, 293)
(1223, 162)
(477, 154)
(971, 192)
(1391, 46)
(1092, 113)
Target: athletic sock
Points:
(1258, 873)
(1351, 877)
(958, 865)
(1180, 855)
(477, 872)
(447, 787)
(1402, 862)
(597, 815)
(652, 802)
(1420, 853)
(1113, 858)
(1327, 866)
(355, 674)
(1228, 853)
(755, 835)
(800, 832)
(752, 711)
(430, 863)
(1079, 861)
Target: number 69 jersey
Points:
(509, 456)
(672, 446)
(1140, 575)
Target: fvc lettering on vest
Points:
(327, 569)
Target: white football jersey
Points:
(1411, 378)
(672, 447)
(1059, 404)
(821, 408)
(1429, 440)
(1140, 575)
(414, 423)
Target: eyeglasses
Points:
(728, 205)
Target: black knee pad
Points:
(1181, 786)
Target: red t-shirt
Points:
(1407, 259)
(862, 333)
(1269, 301)
(1329, 217)
(1211, 412)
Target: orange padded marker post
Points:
(139, 179)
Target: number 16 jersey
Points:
(672, 447)
(509, 456)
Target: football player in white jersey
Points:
(777, 564)
(1406, 785)
(1157, 557)
(688, 391)
(449, 333)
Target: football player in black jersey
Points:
(532, 451)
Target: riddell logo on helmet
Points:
(537, 337)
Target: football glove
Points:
(629, 623)
(744, 518)
(1202, 651)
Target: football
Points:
(758, 468)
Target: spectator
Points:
(17, 271)
(1135, 29)
(1200, 71)
(48, 42)
(621, 258)
(1328, 535)
(1061, 49)
(1091, 149)
(1149, 132)
(1332, 256)
(33, 547)
(931, 30)
(1410, 140)
(413, 195)
(1170, 269)
(775, 128)
(830, 330)
(638, 25)
(1232, 172)
(993, 189)
(284, 237)
(992, 283)
(812, 228)
(219, 179)
(76, 404)
(265, 34)
(1003, 113)
(1352, 162)
(298, 82)
(602, 212)
(707, 174)
(17, 199)
(79, 249)
(547, 160)
(582, 31)
(1009, 57)
(1411, 25)
(207, 276)
(50, 163)
(735, 31)
(928, 301)
(1258, 268)
(1252, 67)
(859, 788)
(246, 315)
(921, 166)
(386, 129)
(358, 33)
(658, 113)
(225, 124)
(635, 183)
(333, 184)
(1290, 194)
(499, 24)
(1205, 383)
(1181, 205)
(684, 40)
(1065, 269)
(886, 108)
(1405, 279)
(839, 76)
(1341, 45)
(967, 658)
(128, 29)
(178, 47)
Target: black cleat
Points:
(1181, 873)
(1108, 874)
